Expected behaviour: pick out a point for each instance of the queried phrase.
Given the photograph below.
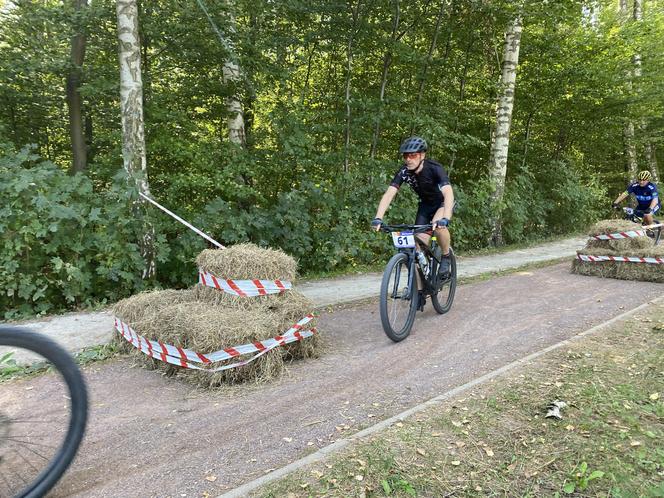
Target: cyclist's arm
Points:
(448, 196)
(386, 201)
(621, 197)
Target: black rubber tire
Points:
(398, 262)
(67, 368)
(447, 296)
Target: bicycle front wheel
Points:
(42, 419)
(445, 285)
(398, 298)
(654, 233)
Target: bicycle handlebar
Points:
(414, 228)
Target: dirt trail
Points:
(152, 436)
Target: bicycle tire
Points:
(449, 283)
(390, 297)
(655, 233)
(78, 408)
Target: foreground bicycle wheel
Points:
(398, 298)
(442, 300)
(41, 423)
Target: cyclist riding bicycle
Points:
(431, 184)
(645, 193)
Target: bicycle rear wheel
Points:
(446, 286)
(42, 419)
(398, 298)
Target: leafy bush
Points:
(63, 245)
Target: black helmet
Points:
(413, 144)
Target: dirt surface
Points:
(153, 436)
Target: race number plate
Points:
(403, 239)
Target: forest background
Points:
(325, 91)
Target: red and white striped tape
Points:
(184, 357)
(630, 234)
(244, 288)
(624, 259)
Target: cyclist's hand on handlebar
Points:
(376, 223)
(441, 223)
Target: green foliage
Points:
(581, 478)
(63, 244)
(327, 93)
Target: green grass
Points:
(496, 441)
(10, 370)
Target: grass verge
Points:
(497, 441)
(10, 370)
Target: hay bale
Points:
(611, 226)
(248, 261)
(208, 326)
(144, 305)
(605, 227)
(139, 306)
(623, 271)
(646, 272)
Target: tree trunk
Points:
(387, 62)
(131, 107)
(236, 133)
(631, 165)
(74, 103)
(349, 73)
(432, 47)
(501, 136)
(231, 76)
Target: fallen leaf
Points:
(211, 478)
(654, 396)
(421, 452)
(359, 477)
(455, 463)
(288, 439)
(570, 427)
(488, 451)
(456, 424)
(399, 424)
(635, 443)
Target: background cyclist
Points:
(645, 193)
(431, 184)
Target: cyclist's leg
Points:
(442, 234)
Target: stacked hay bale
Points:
(640, 247)
(204, 319)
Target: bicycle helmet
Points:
(413, 144)
(644, 176)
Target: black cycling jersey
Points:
(426, 184)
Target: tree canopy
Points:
(328, 90)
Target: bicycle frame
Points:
(427, 281)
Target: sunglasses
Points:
(410, 155)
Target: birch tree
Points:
(74, 103)
(500, 137)
(231, 77)
(131, 107)
(651, 159)
(628, 129)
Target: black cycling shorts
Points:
(425, 213)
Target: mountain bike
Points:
(400, 287)
(653, 231)
(41, 423)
